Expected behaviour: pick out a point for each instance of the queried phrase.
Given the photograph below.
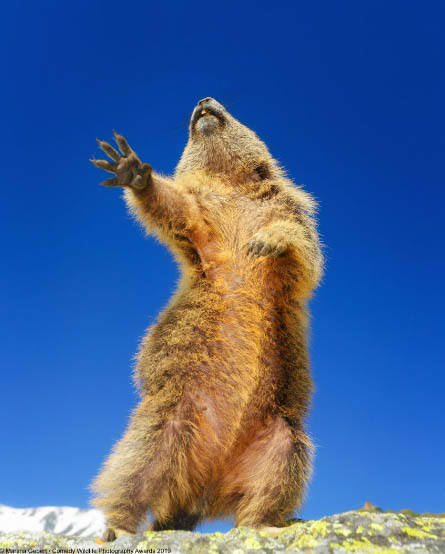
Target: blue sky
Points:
(349, 96)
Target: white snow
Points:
(54, 519)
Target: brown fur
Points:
(223, 374)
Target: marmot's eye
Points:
(263, 171)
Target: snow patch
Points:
(54, 519)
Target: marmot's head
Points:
(219, 143)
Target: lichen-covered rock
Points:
(357, 531)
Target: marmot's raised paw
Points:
(267, 242)
(129, 170)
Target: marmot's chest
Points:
(226, 224)
(227, 219)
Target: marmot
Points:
(223, 374)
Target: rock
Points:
(368, 507)
(357, 531)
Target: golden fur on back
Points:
(223, 374)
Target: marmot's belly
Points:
(219, 356)
(214, 340)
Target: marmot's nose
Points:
(204, 100)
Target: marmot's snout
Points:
(207, 116)
(206, 100)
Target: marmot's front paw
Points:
(129, 170)
(267, 242)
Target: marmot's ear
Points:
(263, 171)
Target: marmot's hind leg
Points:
(121, 486)
(270, 475)
(181, 521)
(118, 486)
(160, 465)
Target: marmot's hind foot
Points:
(113, 533)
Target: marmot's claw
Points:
(104, 164)
(122, 143)
(113, 182)
(109, 150)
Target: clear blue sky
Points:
(349, 96)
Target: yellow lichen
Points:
(427, 524)
(353, 545)
(306, 541)
(149, 534)
(377, 526)
(251, 543)
(418, 533)
(340, 529)
(319, 528)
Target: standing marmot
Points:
(223, 374)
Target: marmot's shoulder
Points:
(296, 198)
